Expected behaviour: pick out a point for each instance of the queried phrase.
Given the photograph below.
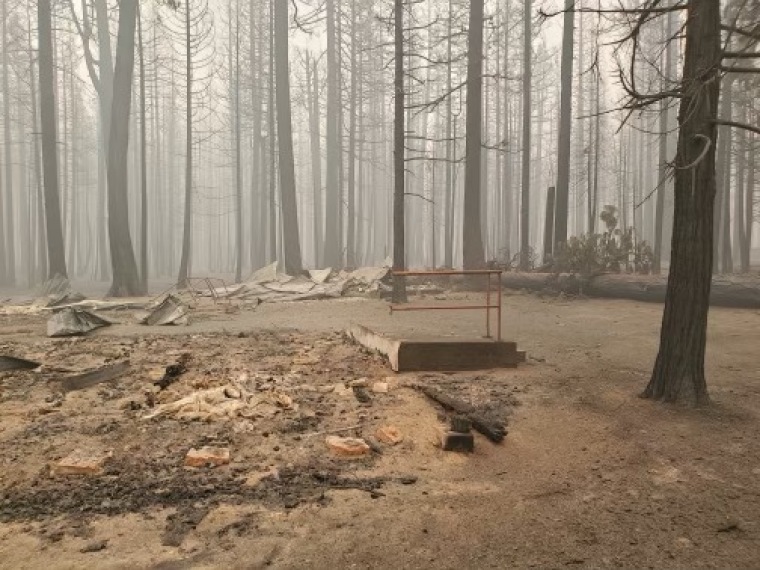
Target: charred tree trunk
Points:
(679, 371)
(272, 128)
(256, 238)
(739, 202)
(399, 250)
(126, 279)
(9, 222)
(316, 159)
(551, 213)
(749, 208)
(238, 152)
(333, 250)
(41, 257)
(448, 233)
(55, 249)
(472, 245)
(351, 244)
(659, 236)
(143, 161)
(184, 264)
(565, 128)
(291, 240)
(526, 142)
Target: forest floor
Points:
(589, 474)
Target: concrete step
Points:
(439, 355)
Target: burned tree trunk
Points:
(472, 247)
(332, 246)
(399, 247)
(143, 162)
(527, 116)
(565, 128)
(126, 279)
(679, 372)
(185, 259)
(56, 253)
(291, 240)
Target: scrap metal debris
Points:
(95, 377)
(11, 363)
(75, 322)
(269, 285)
(169, 311)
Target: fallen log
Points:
(94, 377)
(736, 292)
(486, 426)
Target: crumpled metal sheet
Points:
(170, 311)
(75, 322)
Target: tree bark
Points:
(448, 233)
(271, 130)
(238, 149)
(506, 191)
(659, 236)
(351, 244)
(56, 253)
(399, 249)
(739, 201)
(256, 237)
(41, 256)
(526, 142)
(9, 222)
(316, 161)
(332, 246)
(550, 224)
(472, 244)
(679, 371)
(184, 264)
(749, 208)
(126, 278)
(565, 127)
(143, 160)
(291, 240)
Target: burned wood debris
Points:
(495, 430)
(95, 377)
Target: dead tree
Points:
(126, 278)
(565, 129)
(56, 252)
(291, 240)
(473, 252)
(399, 249)
(526, 142)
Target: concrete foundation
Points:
(439, 355)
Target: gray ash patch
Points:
(138, 487)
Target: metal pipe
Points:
(488, 303)
(447, 272)
(395, 308)
(488, 307)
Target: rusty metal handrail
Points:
(488, 307)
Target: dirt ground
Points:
(588, 476)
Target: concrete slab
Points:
(439, 355)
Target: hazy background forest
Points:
(210, 118)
